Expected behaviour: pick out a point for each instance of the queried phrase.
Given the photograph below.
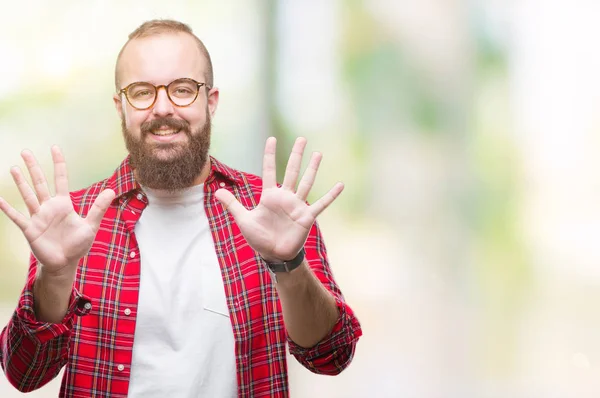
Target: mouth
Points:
(164, 132)
(166, 135)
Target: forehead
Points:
(160, 59)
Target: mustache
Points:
(169, 122)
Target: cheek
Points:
(133, 120)
(196, 117)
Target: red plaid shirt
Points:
(95, 339)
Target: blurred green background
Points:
(466, 133)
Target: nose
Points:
(163, 106)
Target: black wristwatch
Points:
(286, 266)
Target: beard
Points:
(168, 166)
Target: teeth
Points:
(165, 132)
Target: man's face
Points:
(168, 144)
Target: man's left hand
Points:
(278, 227)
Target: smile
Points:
(164, 132)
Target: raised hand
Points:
(57, 235)
(278, 227)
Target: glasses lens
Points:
(141, 95)
(183, 91)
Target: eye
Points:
(142, 93)
(183, 91)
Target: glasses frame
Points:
(125, 90)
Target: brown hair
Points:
(160, 26)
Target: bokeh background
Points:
(466, 132)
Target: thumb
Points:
(99, 208)
(230, 203)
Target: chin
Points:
(165, 152)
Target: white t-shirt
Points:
(183, 345)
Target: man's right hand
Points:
(57, 235)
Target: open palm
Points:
(278, 227)
(57, 235)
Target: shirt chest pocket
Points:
(213, 291)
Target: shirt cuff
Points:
(344, 334)
(42, 332)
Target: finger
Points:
(29, 197)
(308, 179)
(16, 217)
(231, 203)
(101, 204)
(327, 199)
(269, 171)
(61, 181)
(292, 170)
(40, 186)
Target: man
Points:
(177, 276)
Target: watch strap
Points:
(287, 266)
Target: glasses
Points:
(181, 92)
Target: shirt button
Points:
(127, 311)
(120, 368)
(222, 184)
(140, 196)
(88, 306)
(132, 254)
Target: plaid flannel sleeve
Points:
(32, 352)
(334, 352)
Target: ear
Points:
(118, 104)
(213, 100)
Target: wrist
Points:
(63, 276)
(51, 295)
(279, 270)
(288, 265)
(295, 279)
